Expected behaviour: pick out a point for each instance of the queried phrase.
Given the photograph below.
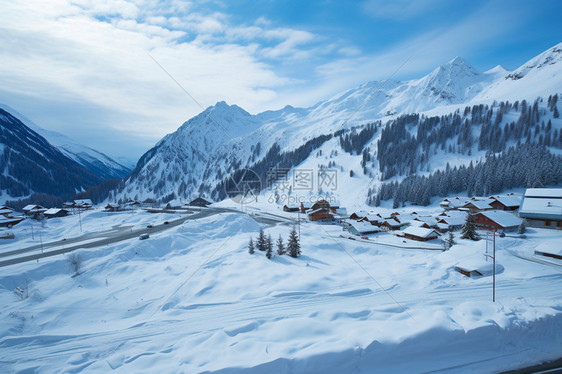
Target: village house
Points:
(391, 224)
(112, 207)
(505, 202)
(373, 219)
(83, 204)
(291, 208)
(10, 221)
(542, 207)
(320, 214)
(55, 213)
(5, 211)
(362, 228)
(497, 220)
(478, 205)
(358, 215)
(33, 211)
(452, 203)
(420, 233)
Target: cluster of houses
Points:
(7, 218)
(539, 207)
(321, 210)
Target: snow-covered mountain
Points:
(198, 157)
(96, 162)
(30, 164)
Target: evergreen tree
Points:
(280, 246)
(251, 247)
(261, 242)
(269, 247)
(469, 229)
(293, 245)
(556, 114)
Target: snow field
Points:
(191, 299)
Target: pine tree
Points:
(269, 247)
(469, 229)
(556, 114)
(251, 247)
(293, 245)
(261, 242)
(280, 246)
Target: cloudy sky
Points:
(103, 71)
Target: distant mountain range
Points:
(379, 132)
(35, 160)
(205, 150)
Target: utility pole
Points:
(80, 219)
(494, 269)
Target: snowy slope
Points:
(30, 164)
(193, 300)
(96, 162)
(198, 157)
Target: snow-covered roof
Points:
(453, 221)
(31, 206)
(5, 211)
(509, 201)
(360, 213)
(317, 210)
(480, 204)
(455, 214)
(502, 218)
(544, 192)
(372, 217)
(83, 202)
(542, 203)
(52, 211)
(364, 227)
(112, 205)
(420, 232)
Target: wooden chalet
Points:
(391, 224)
(421, 234)
(291, 208)
(362, 228)
(112, 207)
(358, 215)
(33, 211)
(478, 205)
(320, 204)
(497, 220)
(320, 214)
(542, 207)
(10, 221)
(83, 204)
(5, 211)
(55, 213)
(505, 202)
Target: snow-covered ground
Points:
(191, 299)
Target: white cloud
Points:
(64, 50)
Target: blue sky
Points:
(86, 68)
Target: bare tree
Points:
(75, 263)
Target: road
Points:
(92, 240)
